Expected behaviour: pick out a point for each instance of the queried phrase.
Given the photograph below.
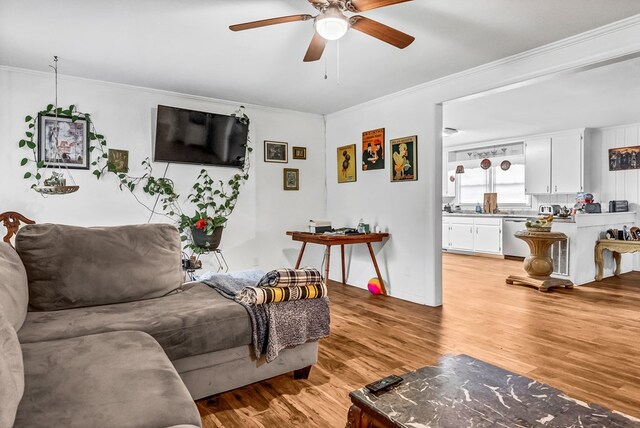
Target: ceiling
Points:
(186, 46)
(597, 98)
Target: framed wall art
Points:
(276, 151)
(299, 152)
(373, 149)
(624, 158)
(63, 142)
(291, 179)
(404, 153)
(118, 160)
(346, 164)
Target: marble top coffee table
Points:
(464, 392)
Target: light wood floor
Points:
(584, 341)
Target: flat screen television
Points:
(188, 136)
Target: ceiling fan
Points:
(332, 23)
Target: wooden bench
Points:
(617, 248)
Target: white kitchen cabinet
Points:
(461, 235)
(555, 164)
(567, 162)
(488, 235)
(537, 172)
(445, 233)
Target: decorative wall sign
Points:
(346, 162)
(505, 165)
(452, 178)
(624, 158)
(276, 151)
(485, 164)
(118, 160)
(460, 169)
(405, 159)
(299, 152)
(291, 179)
(63, 142)
(373, 149)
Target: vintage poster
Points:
(347, 164)
(373, 149)
(404, 158)
(624, 158)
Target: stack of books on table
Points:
(319, 226)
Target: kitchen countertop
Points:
(530, 214)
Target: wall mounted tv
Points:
(188, 136)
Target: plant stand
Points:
(222, 263)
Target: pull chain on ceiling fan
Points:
(332, 24)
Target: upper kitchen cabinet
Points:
(555, 164)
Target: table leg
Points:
(327, 254)
(599, 263)
(304, 244)
(618, 258)
(344, 279)
(375, 265)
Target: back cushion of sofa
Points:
(11, 372)
(14, 294)
(70, 266)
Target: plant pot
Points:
(209, 242)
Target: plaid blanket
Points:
(261, 295)
(291, 277)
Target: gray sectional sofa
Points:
(112, 336)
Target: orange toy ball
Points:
(374, 286)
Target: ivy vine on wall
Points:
(212, 201)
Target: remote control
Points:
(385, 383)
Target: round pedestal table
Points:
(539, 264)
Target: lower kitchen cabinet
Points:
(469, 234)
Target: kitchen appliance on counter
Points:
(618, 206)
(592, 208)
(549, 209)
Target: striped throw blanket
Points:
(262, 295)
(291, 277)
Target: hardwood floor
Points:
(584, 341)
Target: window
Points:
(475, 181)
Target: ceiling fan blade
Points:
(316, 48)
(272, 21)
(363, 5)
(381, 31)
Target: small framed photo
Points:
(346, 160)
(63, 142)
(299, 152)
(276, 151)
(291, 179)
(118, 160)
(404, 159)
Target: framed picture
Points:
(291, 179)
(299, 152)
(624, 158)
(276, 151)
(62, 142)
(347, 164)
(118, 160)
(373, 149)
(404, 153)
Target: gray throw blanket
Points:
(277, 326)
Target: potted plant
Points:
(214, 203)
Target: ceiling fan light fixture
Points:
(331, 24)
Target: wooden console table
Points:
(342, 240)
(617, 248)
(539, 264)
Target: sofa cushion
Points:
(120, 379)
(193, 322)
(70, 266)
(14, 294)
(11, 372)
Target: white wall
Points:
(411, 259)
(255, 235)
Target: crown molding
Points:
(612, 28)
(192, 97)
